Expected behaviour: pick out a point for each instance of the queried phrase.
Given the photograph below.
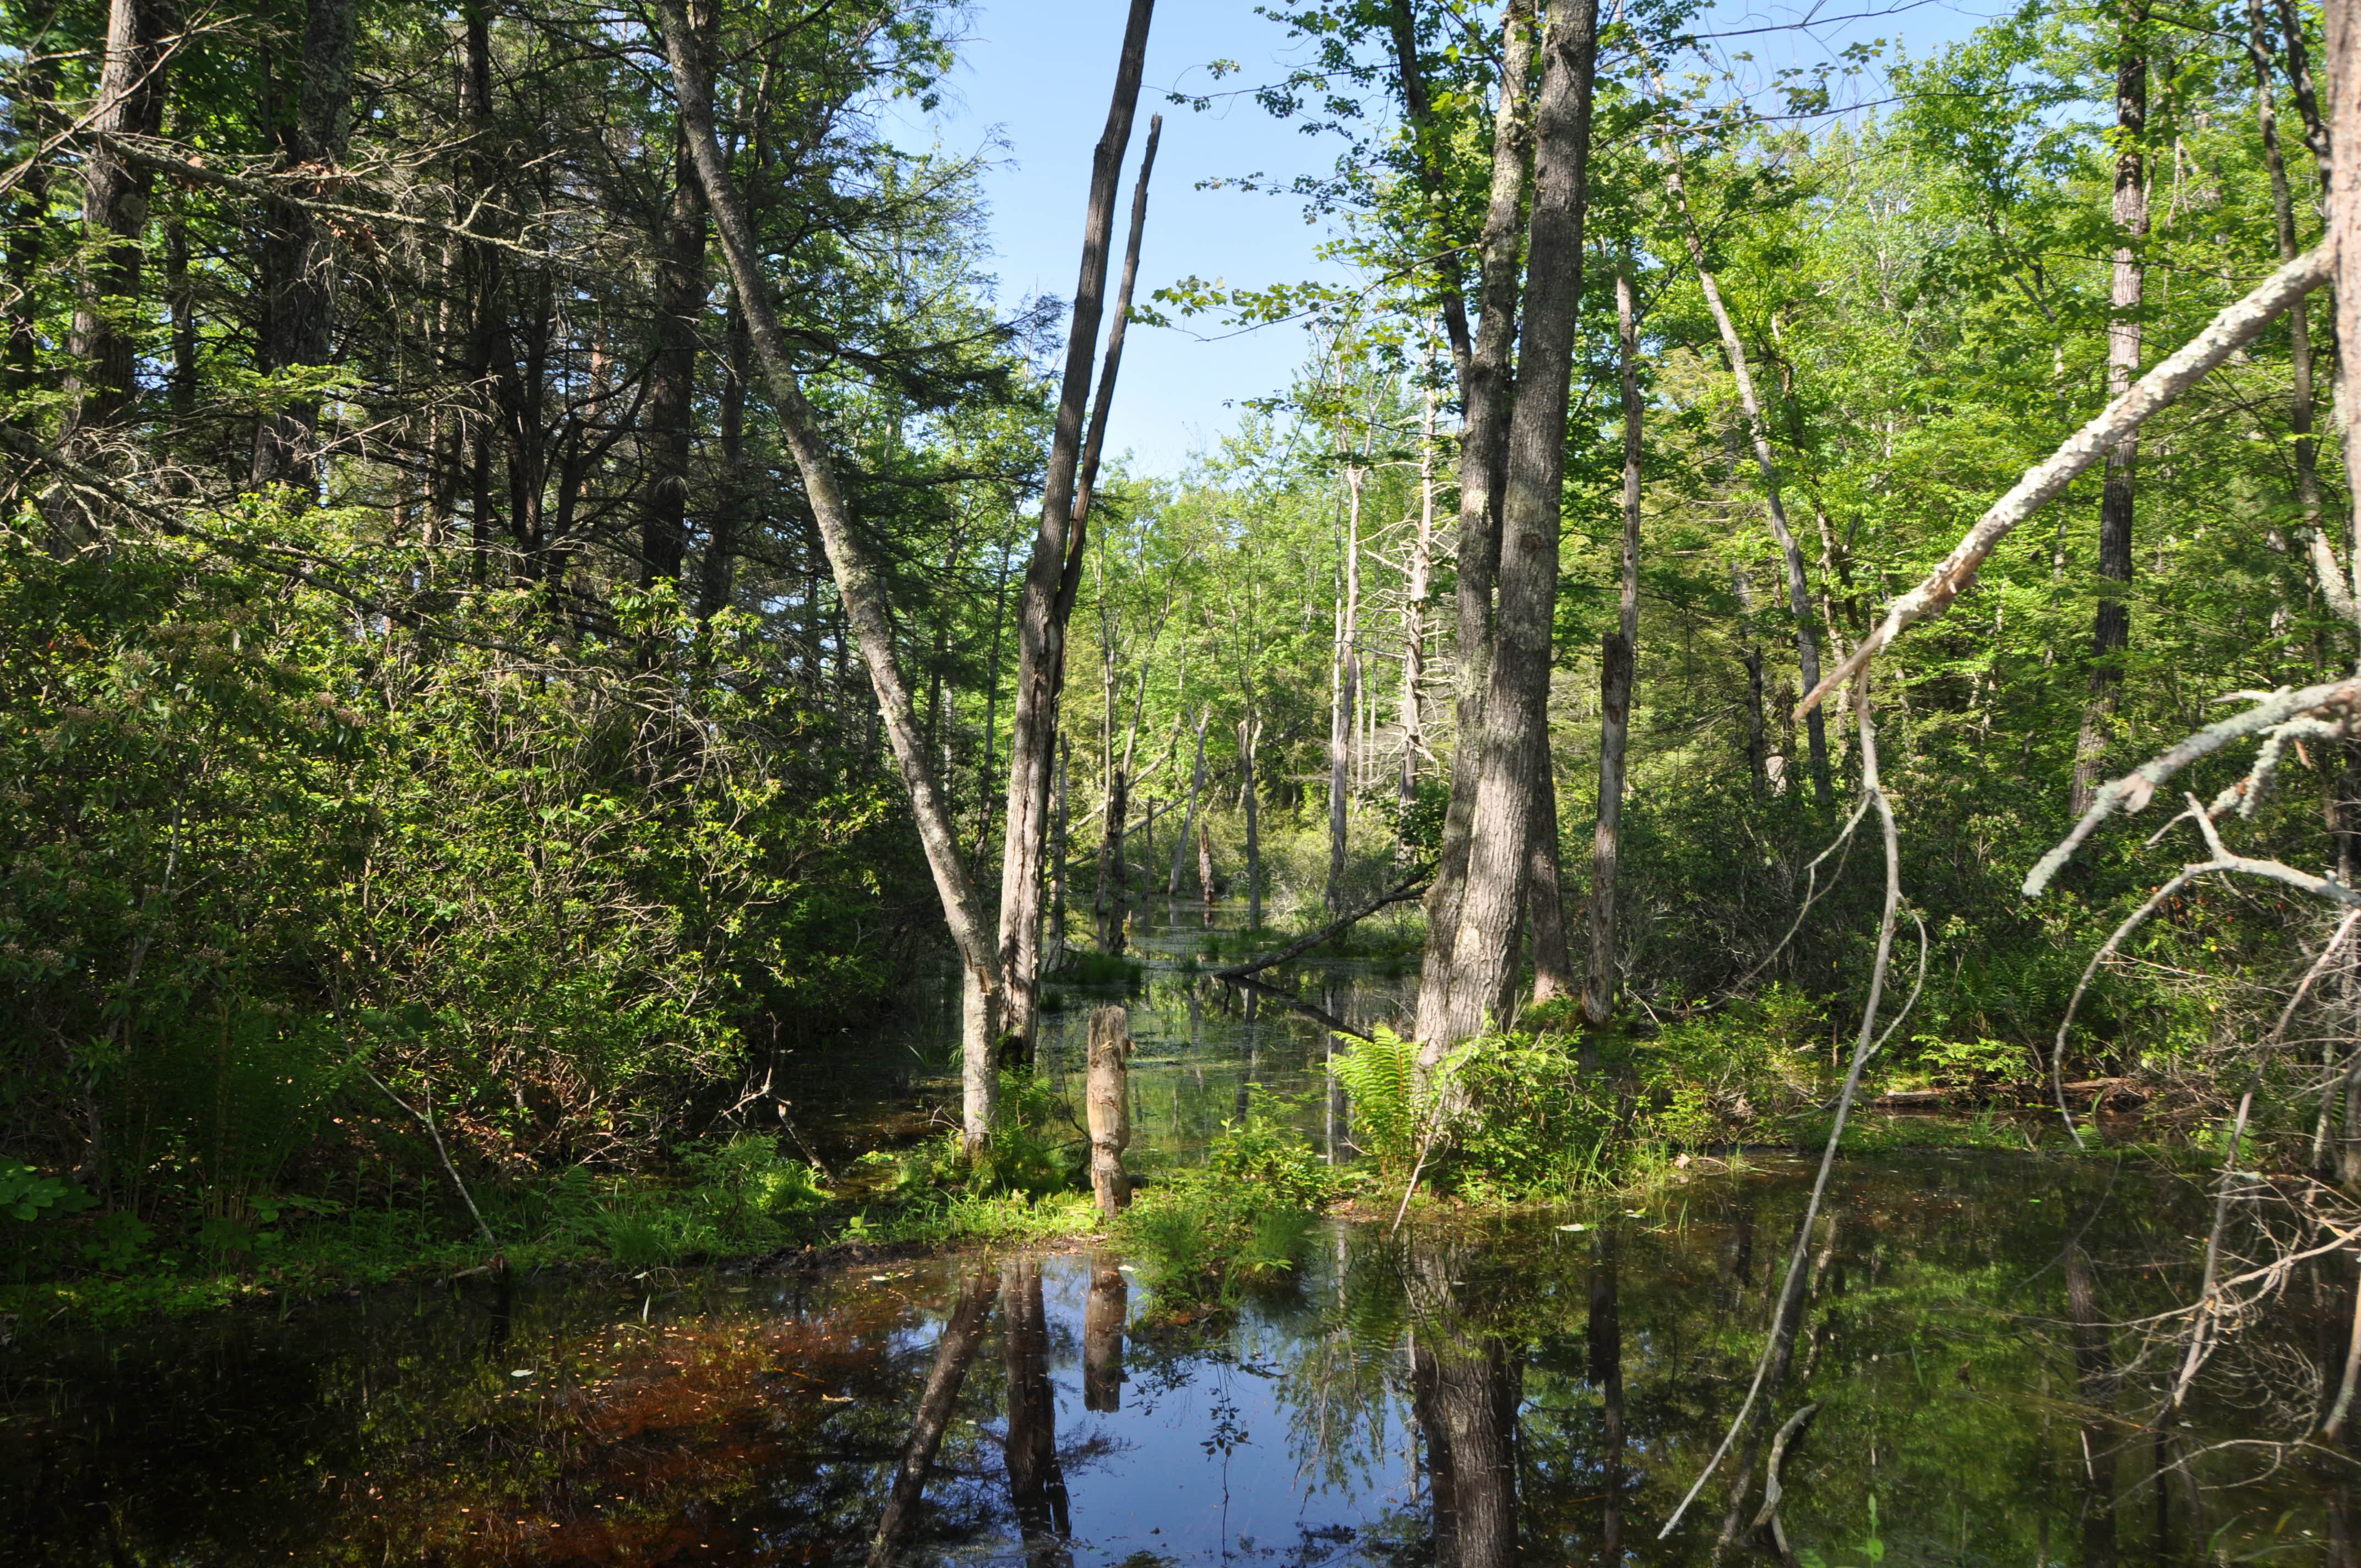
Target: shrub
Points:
(1207, 1233)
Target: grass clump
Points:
(1110, 970)
(1206, 1234)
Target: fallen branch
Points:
(1404, 894)
(2136, 789)
(428, 1117)
(2232, 330)
(1320, 1015)
(1772, 1491)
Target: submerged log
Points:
(1110, 1107)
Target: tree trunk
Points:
(1429, 155)
(1042, 607)
(860, 583)
(1108, 1100)
(962, 1333)
(1343, 698)
(29, 221)
(1249, 734)
(1486, 396)
(1057, 851)
(2300, 408)
(2111, 632)
(1545, 899)
(1415, 593)
(297, 308)
(1617, 660)
(716, 571)
(671, 366)
(1799, 590)
(114, 215)
(1515, 731)
(1181, 845)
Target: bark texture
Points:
(1044, 602)
(1618, 661)
(1486, 394)
(672, 369)
(1108, 1103)
(1514, 736)
(297, 306)
(860, 581)
(2111, 634)
(114, 214)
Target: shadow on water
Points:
(1535, 1389)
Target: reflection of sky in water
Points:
(758, 1421)
(1204, 1462)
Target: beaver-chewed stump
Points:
(1110, 1107)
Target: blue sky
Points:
(1031, 92)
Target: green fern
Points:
(1395, 1114)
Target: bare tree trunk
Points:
(1799, 590)
(1345, 694)
(27, 226)
(1057, 851)
(962, 1334)
(1249, 734)
(1181, 845)
(114, 214)
(1545, 900)
(1617, 660)
(672, 368)
(1486, 396)
(985, 773)
(716, 570)
(1107, 1101)
(1516, 703)
(1415, 593)
(1040, 625)
(296, 304)
(2112, 629)
(2300, 408)
(860, 584)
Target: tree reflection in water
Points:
(1537, 1388)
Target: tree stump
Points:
(1110, 1107)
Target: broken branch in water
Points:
(1404, 893)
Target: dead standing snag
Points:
(1110, 1107)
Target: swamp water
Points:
(1535, 1388)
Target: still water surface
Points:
(1541, 1388)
